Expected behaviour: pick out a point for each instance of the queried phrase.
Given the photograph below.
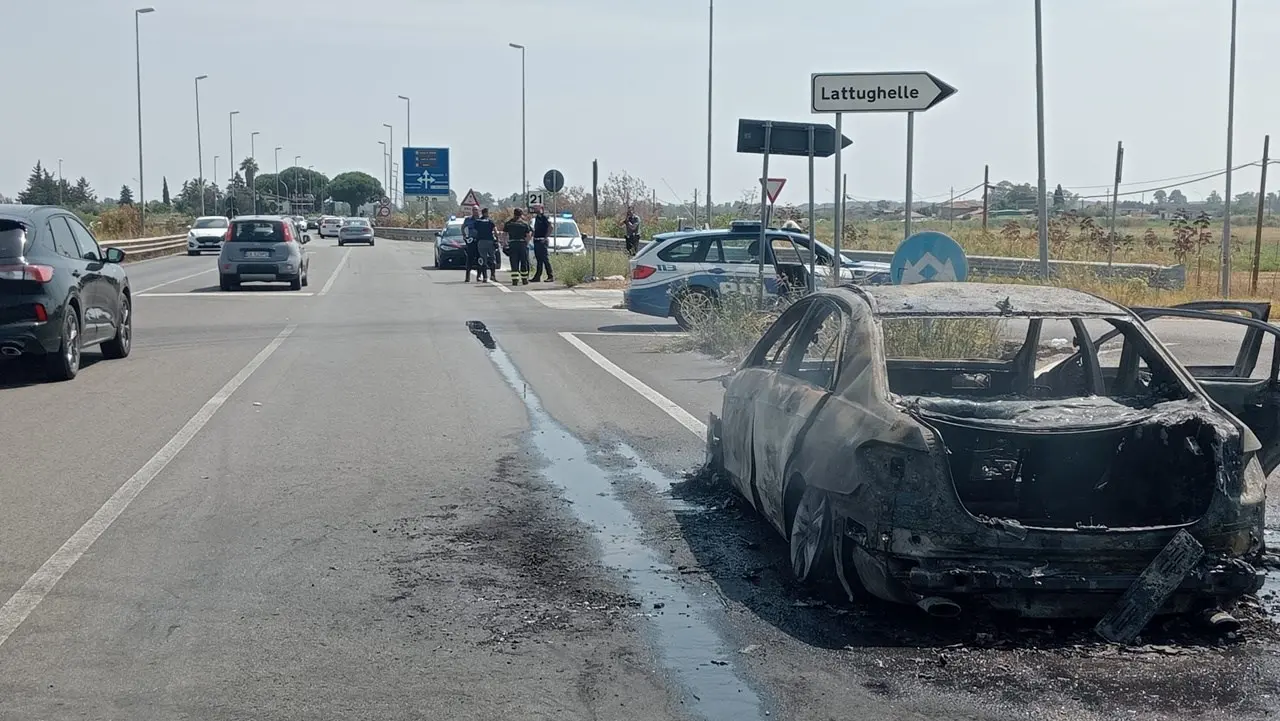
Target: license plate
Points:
(257, 254)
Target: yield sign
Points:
(773, 186)
(470, 200)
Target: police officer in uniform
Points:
(541, 239)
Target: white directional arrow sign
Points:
(772, 187)
(426, 179)
(877, 92)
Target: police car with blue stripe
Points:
(676, 274)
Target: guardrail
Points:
(140, 248)
(983, 266)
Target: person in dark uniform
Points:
(632, 228)
(541, 235)
(469, 240)
(518, 247)
(486, 245)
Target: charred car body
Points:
(1033, 448)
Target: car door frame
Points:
(110, 282)
(737, 406)
(88, 283)
(791, 403)
(1263, 405)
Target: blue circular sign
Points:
(928, 256)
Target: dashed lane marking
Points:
(666, 405)
(175, 280)
(232, 294)
(28, 597)
(328, 284)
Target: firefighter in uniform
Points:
(518, 247)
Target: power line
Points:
(1256, 163)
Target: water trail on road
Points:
(693, 652)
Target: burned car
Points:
(1026, 448)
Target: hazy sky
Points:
(625, 82)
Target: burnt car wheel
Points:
(811, 549)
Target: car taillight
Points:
(288, 233)
(226, 237)
(24, 271)
(640, 272)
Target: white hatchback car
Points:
(329, 226)
(206, 233)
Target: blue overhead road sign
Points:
(426, 171)
(928, 256)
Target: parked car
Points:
(264, 248)
(451, 249)
(682, 274)
(566, 238)
(355, 230)
(60, 292)
(943, 444)
(206, 233)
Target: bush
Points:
(574, 269)
(731, 327)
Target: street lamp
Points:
(296, 158)
(137, 54)
(215, 175)
(408, 120)
(253, 154)
(311, 186)
(391, 145)
(524, 175)
(1043, 192)
(59, 181)
(278, 149)
(231, 137)
(199, 146)
(1231, 118)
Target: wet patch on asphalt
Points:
(996, 662)
(690, 647)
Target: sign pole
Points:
(1262, 200)
(837, 222)
(595, 212)
(764, 209)
(911, 149)
(1115, 203)
(813, 239)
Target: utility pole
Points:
(1262, 204)
(1115, 203)
(986, 187)
(711, 35)
(1231, 117)
(951, 213)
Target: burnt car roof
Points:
(995, 299)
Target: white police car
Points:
(677, 272)
(566, 238)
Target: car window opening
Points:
(257, 232)
(1042, 430)
(13, 239)
(210, 223)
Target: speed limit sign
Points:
(534, 199)
(384, 211)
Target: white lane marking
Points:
(341, 264)
(501, 287)
(27, 598)
(175, 280)
(232, 294)
(635, 333)
(589, 299)
(666, 405)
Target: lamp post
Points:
(253, 154)
(524, 174)
(386, 166)
(199, 146)
(1231, 118)
(311, 186)
(215, 175)
(59, 181)
(296, 158)
(231, 137)
(711, 34)
(137, 54)
(391, 146)
(278, 149)
(1043, 192)
(408, 120)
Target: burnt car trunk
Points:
(1159, 469)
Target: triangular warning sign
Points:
(772, 187)
(470, 200)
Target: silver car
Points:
(264, 248)
(355, 230)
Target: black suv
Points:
(59, 291)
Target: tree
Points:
(82, 193)
(1015, 197)
(1214, 199)
(620, 191)
(355, 189)
(1177, 198)
(41, 189)
(164, 191)
(1059, 198)
(126, 196)
(1160, 197)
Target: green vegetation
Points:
(574, 269)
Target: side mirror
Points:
(113, 255)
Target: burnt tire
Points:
(691, 306)
(120, 345)
(810, 538)
(65, 363)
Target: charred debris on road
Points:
(941, 451)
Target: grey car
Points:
(264, 248)
(355, 230)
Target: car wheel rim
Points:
(126, 325)
(696, 305)
(808, 530)
(73, 341)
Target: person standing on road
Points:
(632, 227)
(541, 236)
(518, 247)
(469, 240)
(485, 243)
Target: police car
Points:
(676, 272)
(451, 249)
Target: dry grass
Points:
(573, 269)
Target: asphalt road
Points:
(340, 504)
